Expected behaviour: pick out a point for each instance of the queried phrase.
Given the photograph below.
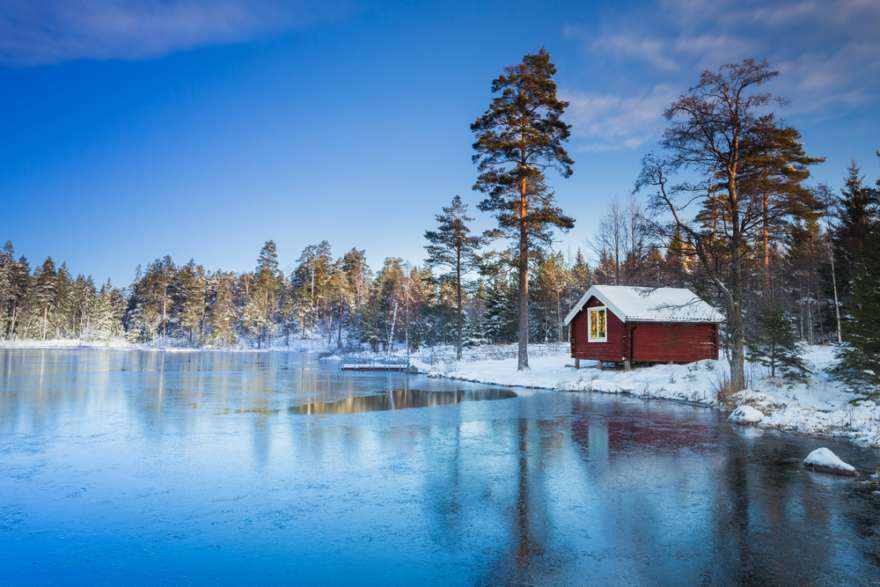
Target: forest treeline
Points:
(725, 207)
(343, 300)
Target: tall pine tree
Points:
(517, 139)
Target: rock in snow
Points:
(745, 415)
(825, 461)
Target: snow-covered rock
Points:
(746, 414)
(825, 461)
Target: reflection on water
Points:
(400, 399)
(143, 468)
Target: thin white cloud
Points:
(606, 122)
(34, 32)
(667, 54)
(827, 52)
(655, 52)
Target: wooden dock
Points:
(377, 367)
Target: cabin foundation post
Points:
(627, 364)
(577, 363)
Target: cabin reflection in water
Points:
(399, 399)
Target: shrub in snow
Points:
(745, 415)
(825, 461)
(772, 342)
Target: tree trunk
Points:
(12, 323)
(458, 301)
(558, 318)
(523, 350)
(164, 312)
(339, 329)
(765, 232)
(836, 303)
(393, 325)
(735, 321)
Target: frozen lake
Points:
(126, 467)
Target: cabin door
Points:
(638, 344)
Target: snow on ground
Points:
(693, 383)
(825, 460)
(820, 406)
(823, 405)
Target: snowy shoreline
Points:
(821, 406)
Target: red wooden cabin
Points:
(623, 324)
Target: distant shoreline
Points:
(299, 345)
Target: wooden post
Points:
(577, 363)
(627, 364)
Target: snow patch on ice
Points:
(746, 414)
(824, 459)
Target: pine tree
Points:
(190, 304)
(309, 282)
(581, 276)
(7, 261)
(677, 264)
(773, 343)
(772, 176)
(384, 313)
(42, 299)
(551, 281)
(860, 353)
(521, 134)
(102, 326)
(340, 300)
(83, 308)
(802, 280)
(500, 318)
(857, 213)
(262, 305)
(452, 246)
(164, 274)
(150, 308)
(20, 273)
(357, 284)
(222, 315)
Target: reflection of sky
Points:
(189, 467)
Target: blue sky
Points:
(201, 128)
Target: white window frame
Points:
(590, 313)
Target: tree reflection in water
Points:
(399, 399)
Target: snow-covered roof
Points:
(649, 304)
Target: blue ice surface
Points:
(146, 468)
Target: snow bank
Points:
(820, 406)
(692, 383)
(746, 415)
(823, 460)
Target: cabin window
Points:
(598, 325)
